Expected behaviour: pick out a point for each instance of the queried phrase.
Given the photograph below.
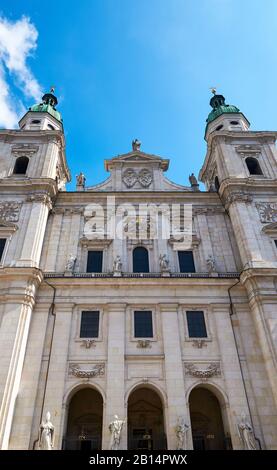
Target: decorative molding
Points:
(207, 210)
(213, 369)
(101, 242)
(88, 343)
(199, 343)
(97, 370)
(144, 343)
(248, 150)
(238, 196)
(267, 211)
(24, 149)
(9, 211)
(42, 198)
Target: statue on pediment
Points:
(136, 145)
(81, 179)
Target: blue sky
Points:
(127, 69)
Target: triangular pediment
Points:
(137, 157)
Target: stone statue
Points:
(164, 263)
(117, 265)
(81, 179)
(193, 180)
(136, 145)
(181, 433)
(70, 263)
(210, 264)
(246, 434)
(46, 434)
(115, 428)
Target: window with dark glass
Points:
(89, 324)
(20, 166)
(2, 246)
(186, 262)
(253, 166)
(140, 260)
(143, 324)
(95, 261)
(196, 324)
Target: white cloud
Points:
(18, 40)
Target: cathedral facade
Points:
(138, 313)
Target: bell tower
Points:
(241, 165)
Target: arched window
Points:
(20, 166)
(216, 184)
(253, 166)
(140, 260)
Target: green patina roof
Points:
(46, 108)
(226, 108)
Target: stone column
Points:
(231, 370)
(58, 369)
(174, 373)
(115, 379)
(13, 340)
(32, 246)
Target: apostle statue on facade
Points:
(136, 145)
(246, 434)
(181, 431)
(115, 428)
(117, 264)
(81, 179)
(70, 263)
(46, 434)
(164, 263)
(193, 182)
(210, 264)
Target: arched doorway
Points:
(84, 423)
(145, 420)
(206, 421)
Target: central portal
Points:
(145, 420)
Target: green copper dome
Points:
(48, 105)
(219, 107)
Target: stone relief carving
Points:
(88, 343)
(238, 196)
(46, 434)
(210, 264)
(199, 343)
(213, 369)
(130, 177)
(40, 197)
(145, 177)
(246, 434)
(97, 370)
(70, 263)
(9, 211)
(24, 149)
(250, 150)
(144, 343)
(267, 211)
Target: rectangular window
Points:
(186, 262)
(94, 262)
(143, 324)
(2, 246)
(196, 324)
(89, 325)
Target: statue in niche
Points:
(181, 431)
(115, 428)
(246, 434)
(70, 263)
(46, 434)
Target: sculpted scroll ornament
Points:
(9, 211)
(267, 211)
(97, 370)
(210, 371)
